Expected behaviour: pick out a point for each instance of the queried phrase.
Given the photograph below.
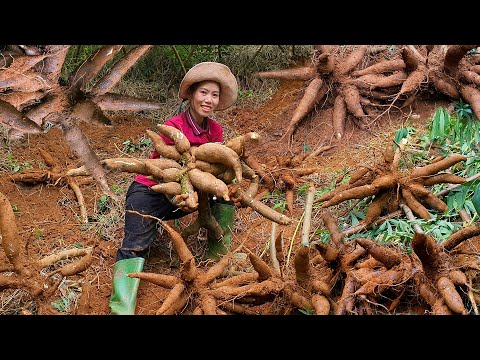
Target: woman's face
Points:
(205, 99)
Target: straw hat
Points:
(215, 72)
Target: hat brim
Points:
(212, 71)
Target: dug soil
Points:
(48, 215)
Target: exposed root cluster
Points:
(23, 271)
(33, 98)
(364, 90)
(390, 186)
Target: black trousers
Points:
(140, 231)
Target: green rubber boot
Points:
(224, 213)
(124, 290)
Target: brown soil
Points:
(48, 214)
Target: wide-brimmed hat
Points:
(213, 71)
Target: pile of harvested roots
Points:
(366, 82)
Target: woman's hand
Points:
(180, 201)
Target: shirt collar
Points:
(197, 130)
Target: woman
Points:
(207, 86)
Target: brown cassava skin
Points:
(351, 97)
(454, 54)
(266, 177)
(427, 197)
(208, 183)
(9, 231)
(219, 153)
(237, 280)
(331, 225)
(301, 73)
(308, 101)
(389, 153)
(450, 295)
(437, 166)
(358, 174)
(238, 143)
(170, 188)
(111, 101)
(321, 305)
(321, 287)
(171, 298)
(328, 252)
(77, 266)
(22, 99)
(20, 64)
(349, 257)
(236, 308)
(188, 268)
(262, 209)
(352, 60)
(375, 208)
(125, 164)
(339, 116)
(461, 235)
(208, 304)
(443, 178)
(360, 192)
(228, 176)
(166, 175)
(252, 189)
(258, 289)
(301, 263)
(182, 144)
(345, 303)
(162, 148)
(380, 282)
(166, 281)
(215, 271)
(381, 67)
(214, 169)
(414, 80)
(435, 203)
(472, 96)
(372, 81)
(297, 300)
(88, 111)
(163, 163)
(78, 142)
(120, 68)
(260, 267)
(426, 249)
(457, 277)
(414, 204)
(52, 259)
(178, 305)
(386, 256)
(444, 84)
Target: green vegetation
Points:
(458, 132)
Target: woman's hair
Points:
(183, 104)
(193, 87)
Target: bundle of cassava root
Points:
(198, 171)
(23, 272)
(389, 185)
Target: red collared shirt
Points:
(211, 132)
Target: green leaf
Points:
(461, 196)
(476, 200)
